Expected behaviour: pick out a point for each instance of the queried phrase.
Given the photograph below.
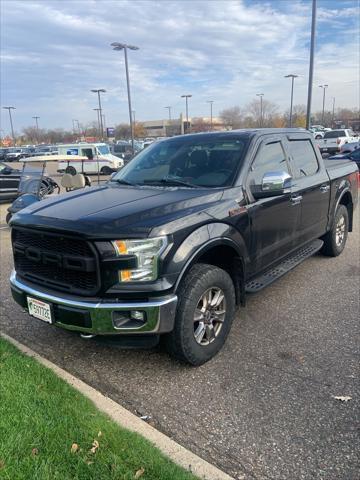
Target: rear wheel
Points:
(335, 239)
(204, 315)
(106, 171)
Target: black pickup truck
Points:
(174, 241)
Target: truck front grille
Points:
(56, 262)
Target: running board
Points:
(285, 266)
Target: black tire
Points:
(106, 171)
(318, 137)
(181, 342)
(70, 169)
(332, 246)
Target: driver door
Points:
(274, 220)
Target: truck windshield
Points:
(103, 149)
(185, 161)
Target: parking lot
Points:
(264, 408)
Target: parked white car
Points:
(335, 139)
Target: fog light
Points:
(120, 319)
(137, 315)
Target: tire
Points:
(70, 169)
(106, 171)
(201, 280)
(318, 137)
(335, 239)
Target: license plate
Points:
(39, 309)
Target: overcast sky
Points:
(53, 52)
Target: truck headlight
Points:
(147, 254)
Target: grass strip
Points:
(49, 431)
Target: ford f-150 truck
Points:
(177, 238)
(333, 140)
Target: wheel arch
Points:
(222, 252)
(345, 199)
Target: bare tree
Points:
(232, 117)
(267, 116)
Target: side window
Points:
(87, 152)
(269, 158)
(304, 158)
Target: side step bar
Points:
(285, 266)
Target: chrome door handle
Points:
(324, 188)
(296, 199)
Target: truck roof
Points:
(246, 132)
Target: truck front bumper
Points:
(101, 318)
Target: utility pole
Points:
(292, 76)
(211, 113)
(118, 47)
(324, 87)
(187, 111)
(261, 107)
(169, 108)
(11, 122)
(311, 64)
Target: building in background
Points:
(178, 126)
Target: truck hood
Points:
(117, 209)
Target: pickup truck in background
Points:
(335, 139)
(174, 242)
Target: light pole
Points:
(98, 91)
(311, 64)
(211, 113)
(333, 113)
(123, 46)
(169, 108)
(324, 87)
(292, 76)
(261, 107)
(36, 122)
(11, 122)
(98, 117)
(133, 114)
(187, 111)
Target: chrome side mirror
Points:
(276, 182)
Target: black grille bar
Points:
(56, 261)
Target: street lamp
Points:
(333, 113)
(98, 118)
(11, 122)
(292, 76)
(36, 121)
(324, 87)
(261, 107)
(169, 108)
(133, 116)
(211, 112)
(98, 91)
(118, 47)
(187, 110)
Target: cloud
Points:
(54, 52)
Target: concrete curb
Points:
(178, 454)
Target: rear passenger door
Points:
(311, 185)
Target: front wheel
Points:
(204, 315)
(335, 239)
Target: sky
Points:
(53, 52)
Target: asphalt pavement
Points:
(264, 408)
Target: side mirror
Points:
(6, 171)
(273, 183)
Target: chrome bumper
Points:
(98, 317)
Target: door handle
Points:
(324, 188)
(296, 199)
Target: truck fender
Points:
(205, 238)
(343, 190)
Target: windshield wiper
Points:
(172, 181)
(122, 181)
